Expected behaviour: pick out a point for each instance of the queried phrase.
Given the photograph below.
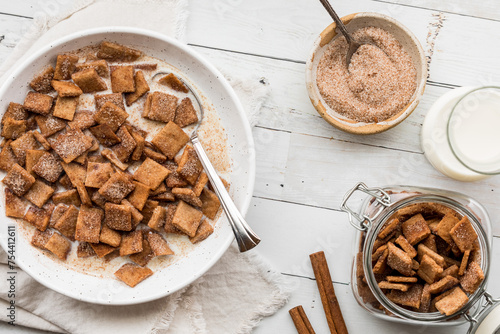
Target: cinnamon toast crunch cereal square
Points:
(463, 234)
(453, 302)
(131, 243)
(41, 83)
(67, 223)
(38, 217)
(472, 278)
(151, 173)
(410, 298)
(88, 224)
(13, 129)
(48, 168)
(187, 195)
(111, 115)
(139, 195)
(65, 107)
(173, 82)
(49, 124)
(89, 81)
(210, 203)
(118, 217)
(185, 113)
(98, 174)
(190, 166)
(82, 119)
(160, 107)
(115, 52)
(110, 236)
(39, 193)
(18, 180)
(19, 146)
(158, 244)
(170, 140)
(40, 238)
(187, 219)
(416, 229)
(399, 260)
(117, 187)
(122, 79)
(100, 66)
(204, 231)
(66, 88)
(38, 103)
(142, 258)
(71, 144)
(124, 149)
(69, 197)
(15, 206)
(115, 98)
(65, 66)
(105, 135)
(59, 246)
(102, 250)
(133, 274)
(158, 217)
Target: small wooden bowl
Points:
(354, 22)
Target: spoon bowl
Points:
(353, 43)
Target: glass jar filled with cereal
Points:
(422, 257)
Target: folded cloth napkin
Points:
(232, 297)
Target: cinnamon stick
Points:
(327, 292)
(301, 321)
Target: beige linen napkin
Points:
(231, 297)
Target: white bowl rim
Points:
(419, 91)
(241, 112)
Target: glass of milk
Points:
(461, 133)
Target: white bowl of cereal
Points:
(384, 83)
(103, 118)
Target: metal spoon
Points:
(353, 44)
(245, 237)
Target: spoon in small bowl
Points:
(353, 44)
(245, 237)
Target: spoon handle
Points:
(337, 20)
(245, 237)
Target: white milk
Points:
(474, 134)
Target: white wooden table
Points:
(304, 166)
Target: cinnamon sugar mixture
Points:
(380, 80)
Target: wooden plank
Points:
(297, 231)
(11, 31)
(486, 9)
(271, 28)
(19, 8)
(464, 57)
(259, 27)
(36, 9)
